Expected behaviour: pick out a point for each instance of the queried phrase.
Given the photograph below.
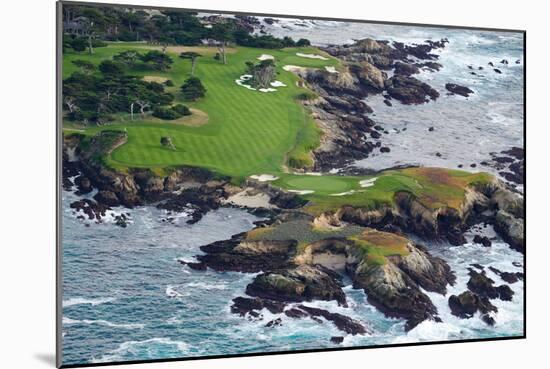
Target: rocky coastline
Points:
(291, 272)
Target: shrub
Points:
(303, 42)
(165, 113)
(192, 89)
(168, 83)
(79, 44)
(171, 113)
(181, 109)
(306, 95)
(110, 67)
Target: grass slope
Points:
(247, 131)
(433, 187)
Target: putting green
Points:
(319, 184)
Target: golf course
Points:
(246, 131)
(241, 132)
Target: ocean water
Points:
(466, 130)
(126, 296)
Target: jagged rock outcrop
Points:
(468, 303)
(410, 90)
(393, 282)
(490, 202)
(453, 88)
(302, 283)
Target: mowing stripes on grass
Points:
(247, 131)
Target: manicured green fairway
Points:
(247, 132)
(433, 187)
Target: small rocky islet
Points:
(304, 250)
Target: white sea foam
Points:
(86, 301)
(69, 321)
(206, 286)
(131, 347)
(172, 292)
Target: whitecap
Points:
(131, 347)
(106, 323)
(84, 301)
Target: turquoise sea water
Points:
(126, 297)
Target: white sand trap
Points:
(367, 182)
(293, 68)
(277, 84)
(343, 193)
(264, 177)
(331, 69)
(241, 82)
(265, 57)
(249, 199)
(301, 192)
(311, 56)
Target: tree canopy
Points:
(192, 89)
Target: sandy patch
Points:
(156, 79)
(250, 198)
(331, 69)
(266, 57)
(243, 82)
(301, 192)
(293, 68)
(368, 182)
(311, 56)
(343, 193)
(277, 84)
(264, 177)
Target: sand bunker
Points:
(331, 69)
(368, 182)
(250, 198)
(277, 84)
(343, 193)
(245, 78)
(311, 56)
(301, 192)
(293, 68)
(264, 177)
(156, 79)
(265, 57)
